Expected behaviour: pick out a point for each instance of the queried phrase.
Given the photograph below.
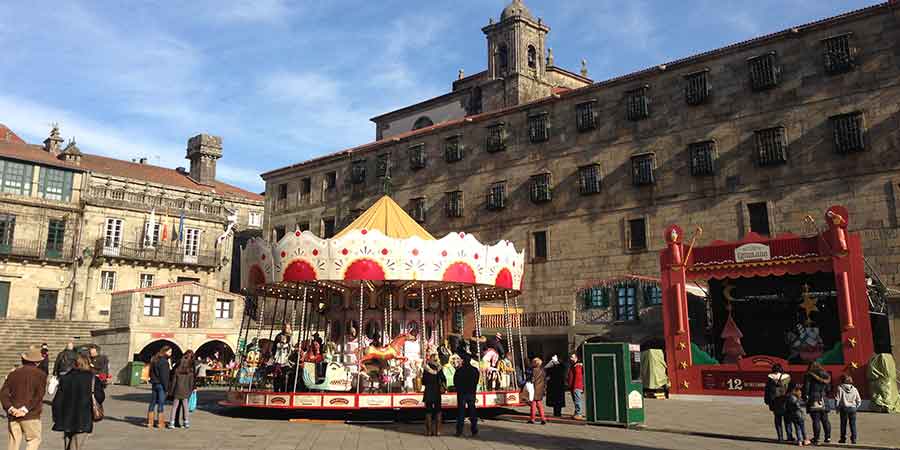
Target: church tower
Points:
(516, 45)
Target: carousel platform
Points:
(351, 401)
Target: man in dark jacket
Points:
(465, 380)
(22, 397)
(65, 360)
(44, 365)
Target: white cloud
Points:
(252, 10)
(306, 87)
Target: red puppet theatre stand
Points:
(787, 300)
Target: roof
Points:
(35, 154)
(161, 287)
(7, 135)
(390, 219)
(516, 9)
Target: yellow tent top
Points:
(390, 219)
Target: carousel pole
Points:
(259, 324)
(243, 350)
(507, 318)
(359, 335)
(422, 324)
(297, 367)
(522, 350)
(477, 309)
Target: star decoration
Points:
(854, 365)
(852, 342)
(809, 303)
(685, 384)
(681, 346)
(683, 364)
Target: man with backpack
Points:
(776, 397)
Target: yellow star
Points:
(852, 342)
(683, 364)
(854, 365)
(681, 346)
(685, 384)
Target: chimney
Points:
(142, 161)
(71, 153)
(52, 143)
(203, 150)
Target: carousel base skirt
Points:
(352, 401)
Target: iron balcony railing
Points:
(190, 319)
(529, 319)
(160, 202)
(35, 249)
(172, 253)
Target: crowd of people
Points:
(790, 401)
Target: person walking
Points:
(539, 381)
(576, 384)
(466, 382)
(816, 386)
(848, 401)
(160, 373)
(435, 384)
(555, 372)
(65, 360)
(180, 390)
(22, 397)
(776, 392)
(73, 404)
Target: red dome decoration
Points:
(364, 269)
(315, 252)
(504, 279)
(297, 233)
(299, 270)
(283, 254)
(364, 232)
(256, 277)
(345, 252)
(444, 253)
(384, 251)
(459, 272)
(476, 256)
(415, 252)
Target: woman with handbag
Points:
(181, 389)
(78, 404)
(435, 384)
(816, 387)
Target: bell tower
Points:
(516, 45)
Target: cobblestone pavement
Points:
(213, 429)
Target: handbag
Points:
(96, 407)
(52, 384)
(192, 401)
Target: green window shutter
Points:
(604, 298)
(29, 177)
(42, 181)
(67, 186)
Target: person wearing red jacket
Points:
(576, 384)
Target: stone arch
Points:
(153, 346)
(211, 346)
(422, 122)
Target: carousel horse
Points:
(489, 366)
(394, 350)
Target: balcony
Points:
(163, 204)
(190, 319)
(35, 250)
(163, 253)
(529, 319)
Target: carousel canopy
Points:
(383, 245)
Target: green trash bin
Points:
(135, 369)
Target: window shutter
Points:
(67, 187)
(42, 181)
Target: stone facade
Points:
(76, 241)
(639, 135)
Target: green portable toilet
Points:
(135, 368)
(612, 383)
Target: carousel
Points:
(346, 323)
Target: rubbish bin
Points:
(135, 368)
(612, 381)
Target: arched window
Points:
(422, 122)
(532, 57)
(502, 59)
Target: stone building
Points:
(585, 175)
(76, 227)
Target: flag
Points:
(151, 237)
(181, 227)
(164, 234)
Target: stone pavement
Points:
(212, 429)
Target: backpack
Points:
(781, 388)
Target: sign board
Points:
(308, 400)
(339, 401)
(374, 401)
(739, 381)
(408, 401)
(635, 400)
(752, 252)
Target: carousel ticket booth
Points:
(613, 389)
(788, 300)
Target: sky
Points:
(286, 80)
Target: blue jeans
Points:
(820, 423)
(157, 398)
(800, 430)
(577, 395)
(779, 430)
(848, 415)
(465, 405)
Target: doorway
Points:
(46, 306)
(4, 298)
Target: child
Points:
(794, 413)
(847, 402)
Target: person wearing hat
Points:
(22, 397)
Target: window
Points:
(763, 72)
(417, 159)
(696, 89)
(637, 234)
(191, 244)
(839, 55)
(46, 304)
(187, 280)
(474, 105)
(849, 132)
(305, 189)
(703, 158)
(626, 307)
(223, 309)
(585, 118)
(112, 238)
(496, 138)
(279, 232)
(596, 298)
(7, 231)
(502, 59)
(254, 219)
(55, 184)
(383, 165)
(328, 228)
(454, 206)
(151, 236)
(532, 57)
(282, 191)
(642, 169)
(589, 179)
(418, 209)
(190, 311)
(453, 149)
(358, 172)
(153, 305)
(496, 199)
(330, 181)
(652, 296)
(759, 218)
(539, 127)
(422, 122)
(637, 104)
(540, 188)
(539, 238)
(146, 280)
(56, 236)
(15, 178)
(771, 146)
(107, 280)
(303, 226)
